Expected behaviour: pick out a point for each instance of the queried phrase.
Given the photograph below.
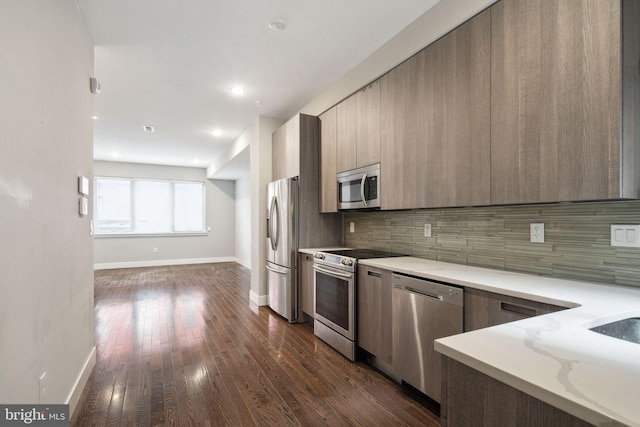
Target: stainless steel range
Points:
(335, 287)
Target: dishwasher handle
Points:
(436, 291)
(419, 292)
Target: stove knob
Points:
(347, 262)
(318, 255)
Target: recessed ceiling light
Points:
(95, 117)
(114, 154)
(277, 25)
(238, 90)
(148, 128)
(217, 132)
(195, 161)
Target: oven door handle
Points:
(333, 273)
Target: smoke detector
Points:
(148, 128)
(277, 25)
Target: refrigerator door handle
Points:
(276, 270)
(275, 236)
(270, 222)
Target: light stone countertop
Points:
(553, 357)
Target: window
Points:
(142, 206)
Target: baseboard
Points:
(258, 299)
(162, 262)
(81, 381)
(244, 263)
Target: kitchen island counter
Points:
(554, 357)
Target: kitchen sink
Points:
(625, 329)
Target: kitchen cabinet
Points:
(328, 167)
(558, 75)
(374, 312)
(296, 152)
(473, 398)
(306, 280)
(285, 146)
(358, 129)
(435, 123)
(483, 309)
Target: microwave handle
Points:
(362, 184)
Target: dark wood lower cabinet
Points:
(471, 398)
(307, 290)
(483, 309)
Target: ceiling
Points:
(172, 65)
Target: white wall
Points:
(243, 220)
(260, 148)
(46, 257)
(218, 245)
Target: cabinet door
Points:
(555, 100)
(399, 144)
(285, 150)
(454, 117)
(374, 312)
(328, 185)
(435, 139)
(368, 125)
(483, 309)
(346, 131)
(307, 290)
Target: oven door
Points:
(335, 299)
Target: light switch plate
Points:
(352, 227)
(427, 230)
(625, 235)
(83, 185)
(84, 206)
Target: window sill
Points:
(135, 235)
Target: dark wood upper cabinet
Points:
(435, 119)
(556, 107)
(328, 169)
(285, 157)
(346, 146)
(358, 129)
(530, 101)
(368, 125)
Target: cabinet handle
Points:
(518, 309)
(373, 273)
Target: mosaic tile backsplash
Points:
(577, 238)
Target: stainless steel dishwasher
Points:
(423, 311)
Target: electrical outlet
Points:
(427, 230)
(155, 250)
(625, 235)
(42, 392)
(537, 232)
(352, 227)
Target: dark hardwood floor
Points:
(183, 346)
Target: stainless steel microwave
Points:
(359, 188)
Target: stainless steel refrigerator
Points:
(282, 247)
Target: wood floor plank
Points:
(183, 346)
